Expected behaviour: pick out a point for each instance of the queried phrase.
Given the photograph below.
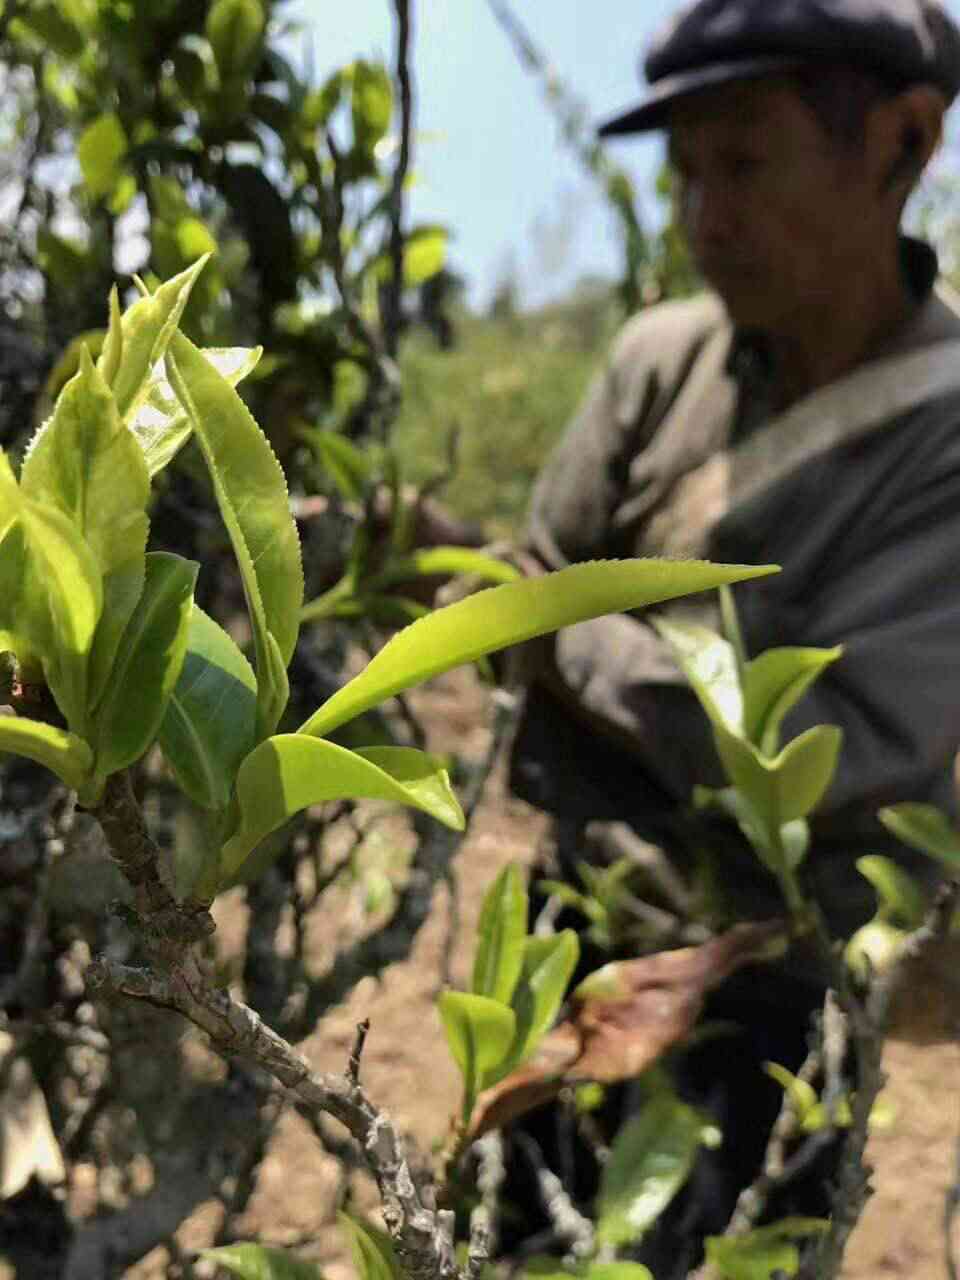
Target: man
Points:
(805, 412)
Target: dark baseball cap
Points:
(712, 42)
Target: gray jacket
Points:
(855, 491)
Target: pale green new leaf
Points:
(101, 149)
(251, 493)
(151, 655)
(790, 785)
(289, 772)
(803, 1096)
(260, 1262)
(210, 721)
(479, 1032)
(555, 1269)
(372, 1250)
(62, 753)
(901, 898)
(147, 328)
(424, 254)
(773, 683)
(924, 827)
(548, 966)
(710, 664)
(510, 614)
(160, 425)
(650, 1161)
(86, 464)
(371, 103)
(447, 561)
(763, 1252)
(235, 30)
(56, 605)
(501, 935)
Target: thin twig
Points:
(356, 1053)
(393, 296)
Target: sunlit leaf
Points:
(160, 425)
(501, 934)
(509, 614)
(447, 561)
(210, 721)
(803, 1096)
(371, 102)
(424, 254)
(650, 1161)
(710, 664)
(86, 464)
(62, 753)
(147, 329)
(235, 30)
(924, 827)
(101, 149)
(151, 656)
(259, 1262)
(479, 1032)
(291, 771)
(373, 1254)
(251, 493)
(790, 785)
(555, 1269)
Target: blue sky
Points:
(488, 160)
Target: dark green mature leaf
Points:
(258, 1262)
(84, 462)
(251, 493)
(372, 1250)
(479, 1032)
(924, 827)
(773, 683)
(512, 613)
(48, 30)
(501, 935)
(235, 31)
(650, 1161)
(350, 468)
(210, 722)
(548, 966)
(289, 772)
(900, 897)
(151, 656)
(62, 753)
(101, 149)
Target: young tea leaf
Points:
(372, 1250)
(84, 462)
(710, 664)
(789, 786)
(901, 899)
(510, 614)
(651, 1159)
(151, 656)
(210, 722)
(479, 1032)
(548, 966)
(924, 827)
(251, 493)
(290, 771)
(773, 683)
(258, 1262)
(62, 753)
(501, 934)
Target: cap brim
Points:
(652, 113)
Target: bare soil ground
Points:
(407, 1070)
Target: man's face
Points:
(780, 218)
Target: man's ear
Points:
(910, 126)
